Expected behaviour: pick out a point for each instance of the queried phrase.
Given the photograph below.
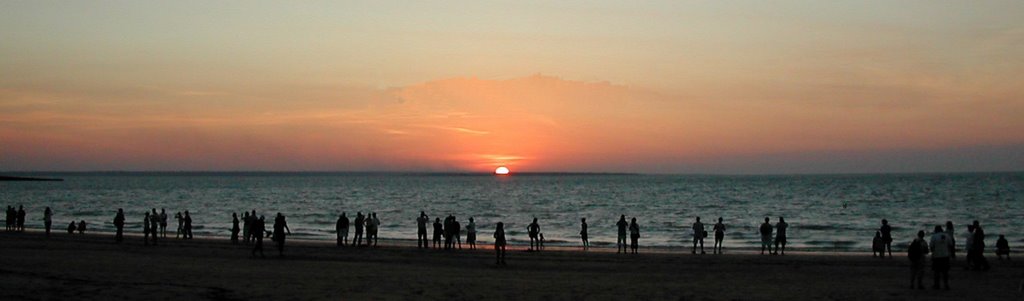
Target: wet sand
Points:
(93, 267)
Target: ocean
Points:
(824, 212)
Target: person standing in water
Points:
(119, 225)
(583, 234)
(533, 230)
(280, 226)
(471, 234)
(421, 231)
(621, 242)
(698, 236)
(634, 235)
(719, 236)
(234, 228)
(886, 237)
(47, 220)
(766, 236)
(780, 237)
(499, 243)
(258, 227)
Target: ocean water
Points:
(824, 212)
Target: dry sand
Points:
(93, 267)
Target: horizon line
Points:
(469, 173)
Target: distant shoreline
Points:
(12, 178)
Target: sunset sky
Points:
(723, 87)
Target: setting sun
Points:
(501, 170)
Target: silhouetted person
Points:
(48, 220)
(81, 227)
(72, 228)
(499, 243)
(877, 245)
(188, 225)
(634, 235)
(438, 231)
(541, 240)
(622, 224)
(258, 227)
(421, 231)
(448, 231)
(357, 240)
(10, 219)
(163, 223)
(766, 236)
(1002, 247)
(341, 228)
(246, 226)
(181, 225)
(457, 231)
(780, 236)
(583, 234)
(471, 234)
(698, 236)
(373, 224)
(978, 245)
(154, 225)
(234, 228)
(119, 225)
(952, 238)
(916, 252)
(21, 218)
(886, 237)
(253, 220)
(719, 229)
(940, 257)
(532, 230)
(280, 226)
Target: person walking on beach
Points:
(280, 226)
(181, 224)
(780, 236)
(471, 234)
(719, 235)
(234, 228)
(48, 220)
(341, 228)
(532, 230)
(634, 235)
(146, 230)
(916, 252)
(163, 223)
(1002, 247)
(583, 233)
(438, 231)
(952, 240)
(21, 218)
(940, 257)
(698, 236)
(258, 227)
(421, 231)
(246, 226)
(621, 242)
(766, 236)
(357, 240)
(886, 237)
(499, 243)
(119, 225)
(188, 225)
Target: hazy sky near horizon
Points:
(588, 86)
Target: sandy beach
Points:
(93, 267)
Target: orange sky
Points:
(660, 88)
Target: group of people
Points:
(450, 230)
(254, 230)
(780, 236)
(154, 225)
(942, 246)
(634, 235)
(369, 222)
(15, 218)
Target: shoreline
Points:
(93, 267)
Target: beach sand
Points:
(93, 267)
